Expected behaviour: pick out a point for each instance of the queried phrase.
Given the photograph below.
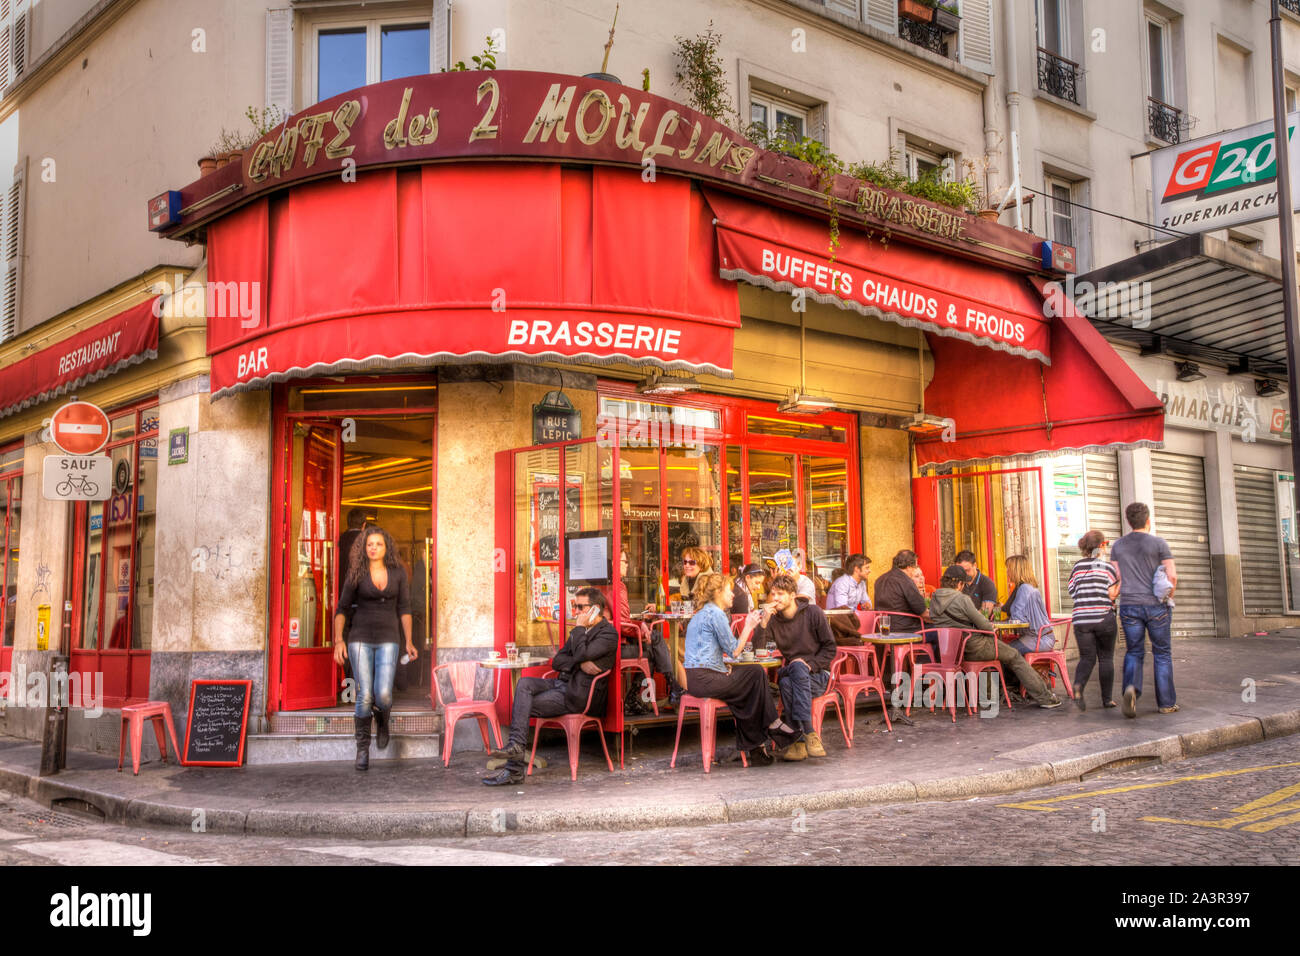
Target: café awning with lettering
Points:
(458, 263)
(1000, 406)
(941, 294)
(128, 338)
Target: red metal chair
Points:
(832, 696)
(1045, 661)
(708, 708)
(867, 621)
(573, 725)
(952, 648)
(905, 655)
(867, 679)
(641, 663)
(975, 668)
(461, 674)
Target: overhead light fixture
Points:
(1267, 387)
(659, 382)
(797, 401)
(922, 424)
(1189, 372)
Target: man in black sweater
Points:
(803, 636)
(896, 591)
(590, 650)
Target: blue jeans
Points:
(1139, 621)
(373, 667)
(798, 688)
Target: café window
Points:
(349, 54)
(11, 495)
(114, 560)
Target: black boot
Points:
(381, 729)
(363, 742)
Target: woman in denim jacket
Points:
(1025, 603)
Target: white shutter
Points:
(21, 37)
(279, 60)
(882, 14)
(15, 40)
(12, 243)
(441, 59)
(850, 8)
(976, 36)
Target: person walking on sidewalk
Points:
(1093, 585)
(591, 649)
(379, 588)
(951, 606)
(743, 688)
(1139, 554)
(803, 636)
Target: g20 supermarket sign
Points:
(1222, 180)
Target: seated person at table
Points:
(1025, 603)
(896, 591)
(983, 589)
(950, 606)
(748, 589)
(590, 649)
(803, 636)
(695, 561)
(656, 649)
(743, 688)
(849, 590)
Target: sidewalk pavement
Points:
(935, 759)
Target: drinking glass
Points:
(884, 627)
(512, 652)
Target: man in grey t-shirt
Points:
(1139, 554)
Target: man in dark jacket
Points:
(950, 606)
(591, 649)
(803, 636)
(896, 591)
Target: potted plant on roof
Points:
(947, 18)
(916, 10)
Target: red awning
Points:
(471, 263)
(896, 282)
(126, 339)
(1002, 406)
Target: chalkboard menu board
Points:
(218, 721)
(546, 518)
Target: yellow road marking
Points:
(1041, 805)
(1227, 823)
(1274, 797)
(1273, 824)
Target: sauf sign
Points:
(1222, 180)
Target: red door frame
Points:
(926, 532)
(281, 423)
(135, 664)
(7, 479)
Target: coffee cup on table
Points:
(494, 655)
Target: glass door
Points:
(308, 672)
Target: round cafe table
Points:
(516, 670)
(673, 622)
(898, 645)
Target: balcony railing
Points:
(925, 35)
(1292, 5)
(1164, 121)
(1059, 76)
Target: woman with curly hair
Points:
(380, 588)
(709, 641)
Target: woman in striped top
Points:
(1093, 585)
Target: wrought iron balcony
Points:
(1292, 5)
(1164, 121)
(1059, 76)
(925, 35)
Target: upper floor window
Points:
(774, 115)
(919, 162)
(1060, 211)
(355, 54)
(1164, 120)
(1058, 74)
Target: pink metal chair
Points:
(1045, 661)
(461, 675)
(573, 725)
(708, 708)
(974, 668)
(832, 696)
(867, 679)
(641, 634)
(952, 648)
(157, 712)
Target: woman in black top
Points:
(378, 585)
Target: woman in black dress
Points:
(380, 588)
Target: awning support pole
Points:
(1286, 230)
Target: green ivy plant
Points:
(702, 76)
(261, 121)
(788, 142)
(487, 60)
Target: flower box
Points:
(915, 10)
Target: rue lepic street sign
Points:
(81, 430)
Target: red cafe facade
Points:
(516, 316)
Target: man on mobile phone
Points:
(590, 650)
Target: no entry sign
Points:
(79, 428)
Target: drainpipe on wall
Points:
(1013, 100)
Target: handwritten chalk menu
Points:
(218, 721)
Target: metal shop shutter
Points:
(1261, 562)
(1179, 483)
